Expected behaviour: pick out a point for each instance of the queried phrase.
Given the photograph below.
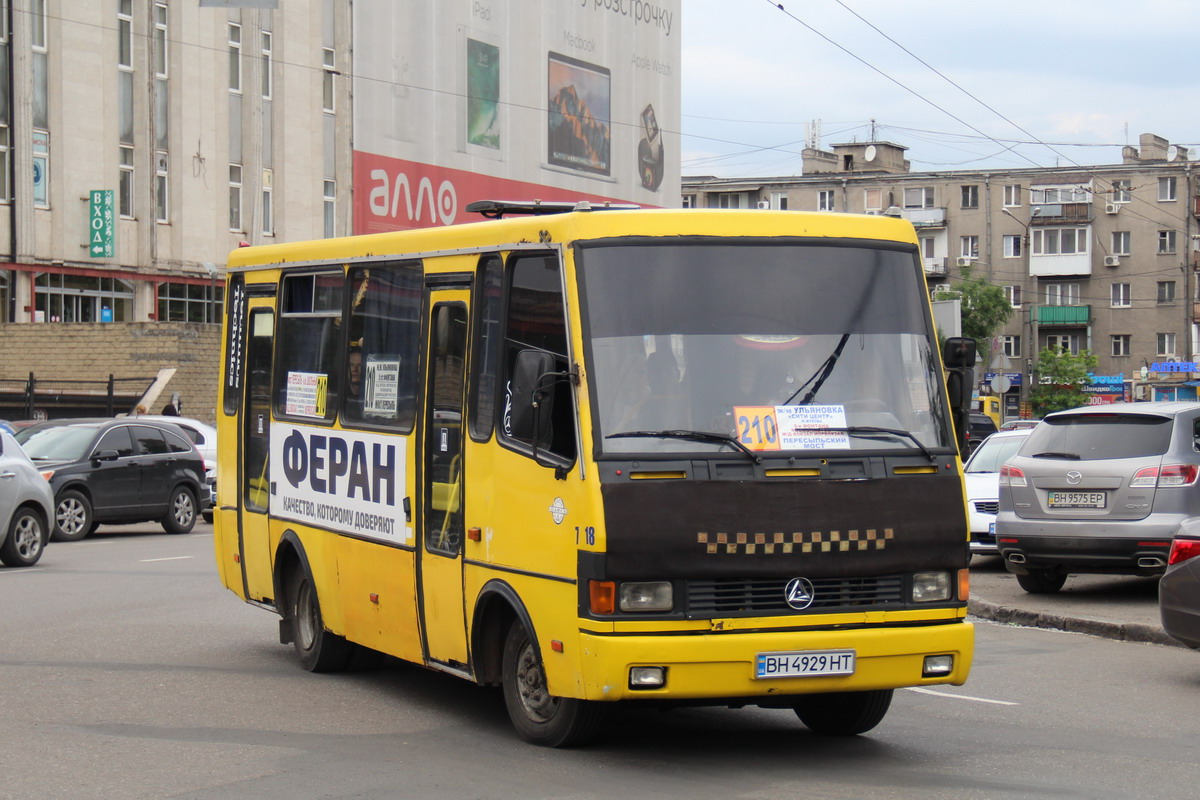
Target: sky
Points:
(1003, 85)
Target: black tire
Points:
(318, 649)
(72, 516)
(181, 511)
(207, 516)
(1042, 581)
(539, 717)
(843, 713)
(26, 540)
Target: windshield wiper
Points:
(869, 430)
(1052, 454)
(693, 436)
(820, 375)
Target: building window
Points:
(79, 298)
(918, 197)
(1166, 292)
(330, 200)
(928, 247)
(1120, 191)
(1120, 243)
(1012, 294)
(1012, 246)
(1060, 241)
(268, 219)
(160, 40)
(38, 23)
(872, 199)
(1166, 190)
(327, 98)
(235, 57)
(1063, 343)
(161, 188)
(1012, 346)
(725, 200)
(1012, 196)
(1166, 344)
(969, 246)
(5, 122)
(235, 197)
(125, 182)
(1120, 295)
(1062, 294)
(779, 201)
(190, 302)
(689, 201)
(1166, 242)
(825, 200)
(125, 34)
(266, 65)
(41, 169)
(1041, 195)
(970, 196)
(1120, 344)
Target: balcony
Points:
(925, 217)
(1060, 213)
(935, 266)
(1064, 315)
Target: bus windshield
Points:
(782, 345)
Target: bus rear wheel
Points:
(318, 649)
(540, 717)
(843, 713)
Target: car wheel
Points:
(181, 511)
(540, 717)
(319, 650)
(843, 713)
(1042, 581)
(207, 516)
(27, 536)
(72, 517)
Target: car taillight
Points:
(1012, 476)
(1169, 475)
(1182, 550)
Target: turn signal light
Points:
(1182, 550)
(1011, 476)
(602, 596)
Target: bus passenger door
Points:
(441, 520)
(255, 446)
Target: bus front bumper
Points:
(722, 665)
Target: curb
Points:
(1122, 631)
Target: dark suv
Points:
(117, 470)
(979, 428)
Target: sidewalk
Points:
(1111, 606)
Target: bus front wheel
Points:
(540, 717)
(318, 649)
(843, 713)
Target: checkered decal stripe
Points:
(796, 542)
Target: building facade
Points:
(1099, 258)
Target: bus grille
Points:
(766, 596)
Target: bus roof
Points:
(570, 226)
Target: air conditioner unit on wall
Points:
(964, 261)
(1112, 261)
(1112, 208)
(764, 204)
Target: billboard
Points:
(465, 100)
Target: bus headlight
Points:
(647, 596)
(930, 587)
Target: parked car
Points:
(1179, 588)
(1099, 489)
(26, 506)
(982, 475)
(1019, 424)
(204, 436)
(129, 469)
(979, 428)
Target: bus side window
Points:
(487, 308)
(384, 342)
(307, 360)
(536, 321)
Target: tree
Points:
(1061, 378)
(985, 309)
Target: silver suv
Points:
(1100, 489)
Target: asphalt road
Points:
(127, 671)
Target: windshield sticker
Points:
(808, 427)
(307, 393)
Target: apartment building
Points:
(1101, 257)
(142, 140)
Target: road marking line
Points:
(21, 570)
(172, 558)
(960, 696)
